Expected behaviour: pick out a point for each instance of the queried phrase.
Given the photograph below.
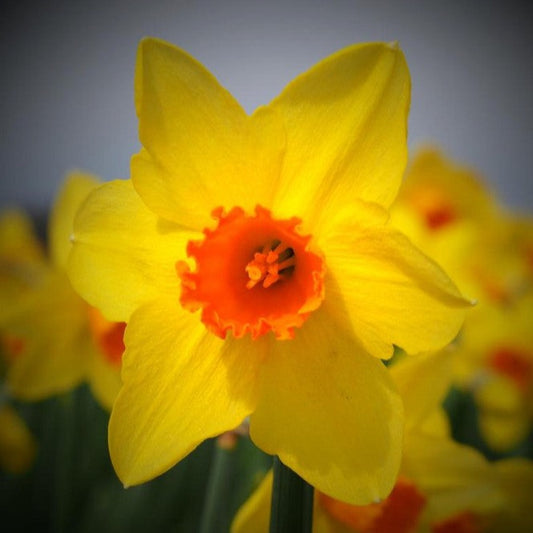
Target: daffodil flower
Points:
(51, 339)
(446, 210)
(251, 258)
(495, 362)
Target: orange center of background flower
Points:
(253, 274)
(107, 335)
(399, 513)
(513, 364)
(462, 523)
(12, 347)
(434, 207)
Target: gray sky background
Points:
(66, 97)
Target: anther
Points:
(268, 266)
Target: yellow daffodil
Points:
(495, 361)
(446, 211)
(251, 258)
(500, 266)
(51, 339)
(449, 213)
(17, 445)
(441, 193)
(440, 482)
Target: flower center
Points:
(254, 274)
(399, 513)
(434, 207)
(275, 262)
(12, 347)
(108, 336)
(514, 364)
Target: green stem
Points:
(64, 461)
(214, 515)
(292, 502)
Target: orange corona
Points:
(254, 274)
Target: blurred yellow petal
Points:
(393, 294)
(201, 150)
(254, 515)
(516, 480)
(504, 432)
(330, 413)
(51, 324)
(346, 122)
(105, 366)
(442, 192)
(17, 445)
(18, 241)
(437, 424)
(73, 193)
(104, 380)
(182, 385)
(454, 476)
(422, 382)
(124, 255)
(22, 259)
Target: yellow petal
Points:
(422, 382)
(18, 241)
(393, 294)
(104, 380)
(504, 420)
(201, 149)
(123, 255)
(22, 259)
(74, 191)
(17, 445)
(182, 385)
(454, 477)
(51, 324)
(254, 515)
(503, 432)
(516, 480)
(437, 424)
(330, 412)
(346, 121)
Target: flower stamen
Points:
(270, 265)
